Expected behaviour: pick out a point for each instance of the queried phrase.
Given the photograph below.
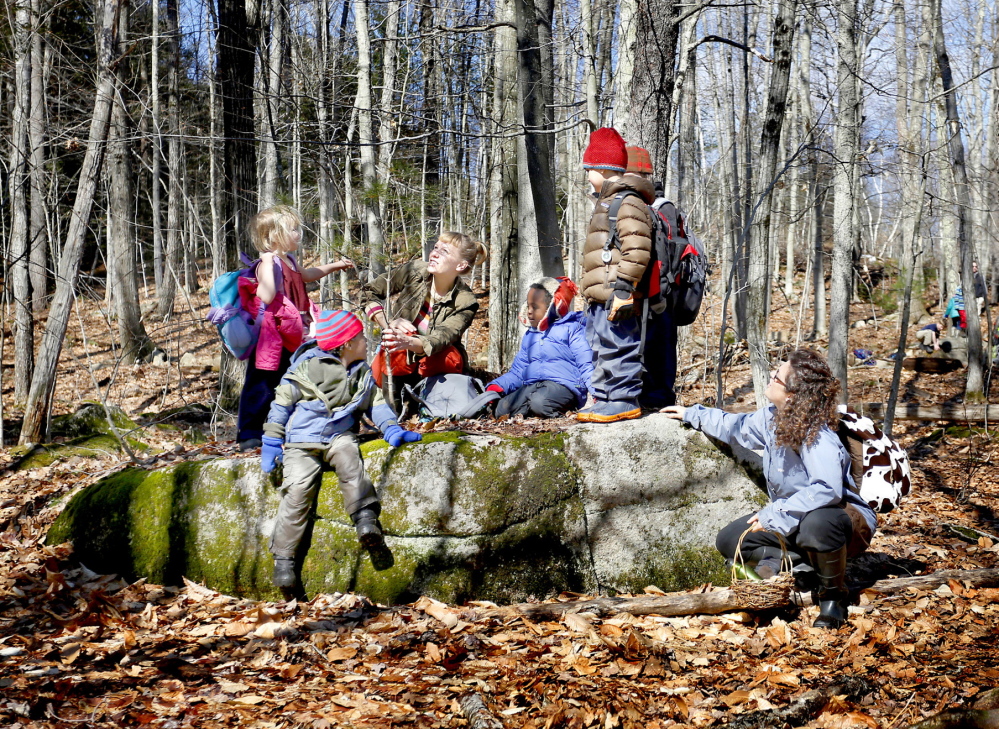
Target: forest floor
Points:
(78, 648)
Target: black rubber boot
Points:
(284, 573)
(832, 594)
(369, 530)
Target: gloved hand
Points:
(494, 388)
(396, 435)
(621, 305)
(271, 453)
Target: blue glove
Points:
(271, 453)
(396, 435)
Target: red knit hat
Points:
(336, 328)
(639, 161)
(605, 151)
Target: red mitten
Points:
(495, 388)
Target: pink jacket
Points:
(280, 329)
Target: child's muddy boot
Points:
(284, 573)
(369, 531)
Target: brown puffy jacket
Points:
(634, 234)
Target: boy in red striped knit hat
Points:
(613, 267)
(314, 419)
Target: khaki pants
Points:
(303, 468)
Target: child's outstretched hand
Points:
(674, 412)
(271, 453)
(344, 263)
(396, 435)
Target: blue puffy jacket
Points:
(559, 354)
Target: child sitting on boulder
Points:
(322, 397)
(551, 372)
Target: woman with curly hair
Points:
(813, 502)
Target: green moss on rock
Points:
(86, 446)
(90, 419)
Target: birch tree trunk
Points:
(43, 382)
(371, 189)
(20, 157)
(758, 242)
(844, 231)
(973, 389)
(504, 263)
(123, 270)
(37, 223)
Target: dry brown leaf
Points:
(249, 699)
(577, 622)
(736, 697)
(341, 654)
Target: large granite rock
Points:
(614, 507)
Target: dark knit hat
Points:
(336, 328)
(605, 151)
(639, 161)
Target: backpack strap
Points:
(612, 215)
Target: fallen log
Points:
(956, 412)
(477, 713)
(936, 365)
(803, 709)
(967, 719)
(723, 600)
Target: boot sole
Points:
(597, 418)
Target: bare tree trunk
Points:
(625, 72)
(387, 126)
(123, 273)
(758, 238)
(909, 113)
(973, 389)
(236, 39)
(588, 23)
(843, 213)
(20, 157)
(38, 224)
(175, 200)
(156, 195)
(535, 96)
(270, 76)
(651, 93)
(504, 265)
(371, 190)
(43, 382)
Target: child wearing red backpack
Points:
(276, 233)
(613, 267)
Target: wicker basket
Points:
(763, 594)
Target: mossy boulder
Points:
(85, 433)
(613, 507)
(91, 419)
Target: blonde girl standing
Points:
(276, 233)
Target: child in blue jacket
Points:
(551, 372)
(312, 420)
